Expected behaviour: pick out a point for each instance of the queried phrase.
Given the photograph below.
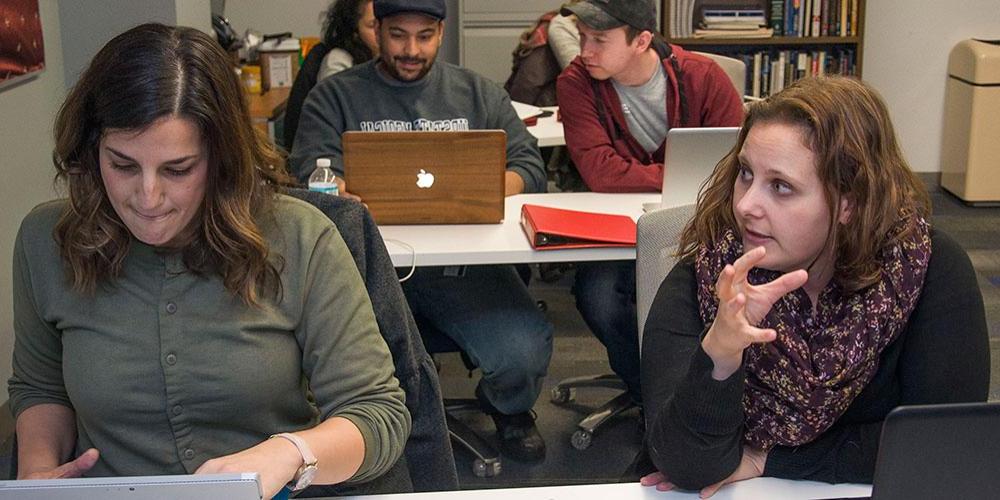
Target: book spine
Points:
(675, 18)
(529, 228)
(765, 76)
(854, 17)
(777, 17)
(817, 12)
(777, 72)
(825, 19)
(792, 14)
(757, 58)
(805, 20)
(840, 17)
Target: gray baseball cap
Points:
(610, 14)
(433, 8)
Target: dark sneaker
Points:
(519, 438)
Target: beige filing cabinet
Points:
(970, 149)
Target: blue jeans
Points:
(488, 312)
(605, 297)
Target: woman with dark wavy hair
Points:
(812, 297)
(175, 314)
(349, 33)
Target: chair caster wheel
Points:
(581, 439)
(561, 395)
(486, 468)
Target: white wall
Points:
(906, 58)
(305, 18)
(301, 17)
(92, 26)
(194, 13)
(26, 115)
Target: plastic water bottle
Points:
(323, 178)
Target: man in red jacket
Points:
(617, 100)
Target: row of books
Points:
(742, 22)
(796, 18)
(681, 18)
(814, 18)
(770, 71)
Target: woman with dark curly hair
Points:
(176, 314)
(813, 296)
(349, 33)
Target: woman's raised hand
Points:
(742, 307)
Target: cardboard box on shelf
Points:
(279, 62)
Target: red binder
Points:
(549, 228)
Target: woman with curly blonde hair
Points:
(812, 297)
(176, 314)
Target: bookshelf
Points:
(845, 53)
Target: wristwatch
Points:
(304, 476)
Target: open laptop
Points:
(191, 487)
(428, 177)
(939, 451)
(689, 158)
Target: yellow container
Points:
(306, 43)
(250, 75)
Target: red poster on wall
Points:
(22, 53)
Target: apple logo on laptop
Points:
(425, 179)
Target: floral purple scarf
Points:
(798, 385)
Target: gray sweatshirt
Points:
(448, 98)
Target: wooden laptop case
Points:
(468, 169)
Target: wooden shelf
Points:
(776, 40)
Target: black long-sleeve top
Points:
(695, 423)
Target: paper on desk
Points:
(526, 110)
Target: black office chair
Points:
(428, 451)
(486, 461)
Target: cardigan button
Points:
(171, 359)
(171, 308)
(188, 454)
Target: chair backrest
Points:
(428, 449)
(657, 236)
(735, 68)
(535, 69)
(305, 80)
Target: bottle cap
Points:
(322, 162)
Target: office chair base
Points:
(486, 461)
(581, 439)
(583, 436)
(565, 391)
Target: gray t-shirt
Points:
(644, 110)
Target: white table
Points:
(759, 488)
(548, 130)
(505, 243)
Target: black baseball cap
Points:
(432, 8)
(610, 14)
